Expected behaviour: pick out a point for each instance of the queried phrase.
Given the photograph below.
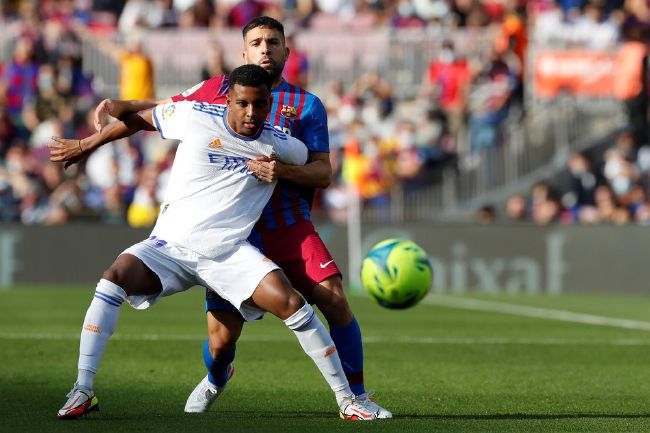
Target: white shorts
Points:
(234, 276)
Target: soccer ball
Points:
(396, 273)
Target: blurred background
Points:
(509, 138)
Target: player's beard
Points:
(276, 72)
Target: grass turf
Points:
(437, 368)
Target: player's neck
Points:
(276, 82)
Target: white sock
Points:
(317, 343)
(99, 325)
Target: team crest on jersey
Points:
(168, 111)
(215, 144)
(188, 92)
(289, 112)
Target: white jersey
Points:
(212, 200)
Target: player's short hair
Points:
(265, 22)
(250, 76)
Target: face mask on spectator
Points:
(405, 9)
(621, 185)
(45, 82)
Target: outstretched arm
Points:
(72, 151)
(120, 108)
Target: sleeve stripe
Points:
(155, 119)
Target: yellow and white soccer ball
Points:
(396, 273)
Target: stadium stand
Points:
(432, 108)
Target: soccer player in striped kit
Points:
(284, 232)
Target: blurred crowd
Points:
(607, 185)
(377, 140)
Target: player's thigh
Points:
(166, 269)
(235, 275)
(276, 295)
(302, 255)
(133, 276)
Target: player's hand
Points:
(65, 150)
(265, 169)
(102, 111)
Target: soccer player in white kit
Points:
(200, 238)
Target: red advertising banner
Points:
(585, 73)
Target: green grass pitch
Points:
(438, 368)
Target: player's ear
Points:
(244, 56)
(286, 53)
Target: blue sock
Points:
(217, 367)
(350, 348)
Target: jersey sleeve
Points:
(314, 128)
(291, 151)
(212, 91)
(171, 119)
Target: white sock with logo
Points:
(317, 343)
(99, 325)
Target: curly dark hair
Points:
(250, 76)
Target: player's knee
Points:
(332, 302)
(220, 343)
(115, 276)
(336, 310)
(291, 304)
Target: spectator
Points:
(136, 69)
(631, 82)
(486, 215)
(215, 64)
(446, 85)
(594, 30)
(141, 14)
(516, 208)
(296, 69)
(19, 83)
(580, 184)
(489, 104)
(143, 210)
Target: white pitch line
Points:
(369, 340)
(541, 313)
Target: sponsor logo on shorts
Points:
(326, 264)
(93, 328)
(329, 351)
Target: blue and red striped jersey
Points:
(295, 112)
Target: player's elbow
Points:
(325, 179)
